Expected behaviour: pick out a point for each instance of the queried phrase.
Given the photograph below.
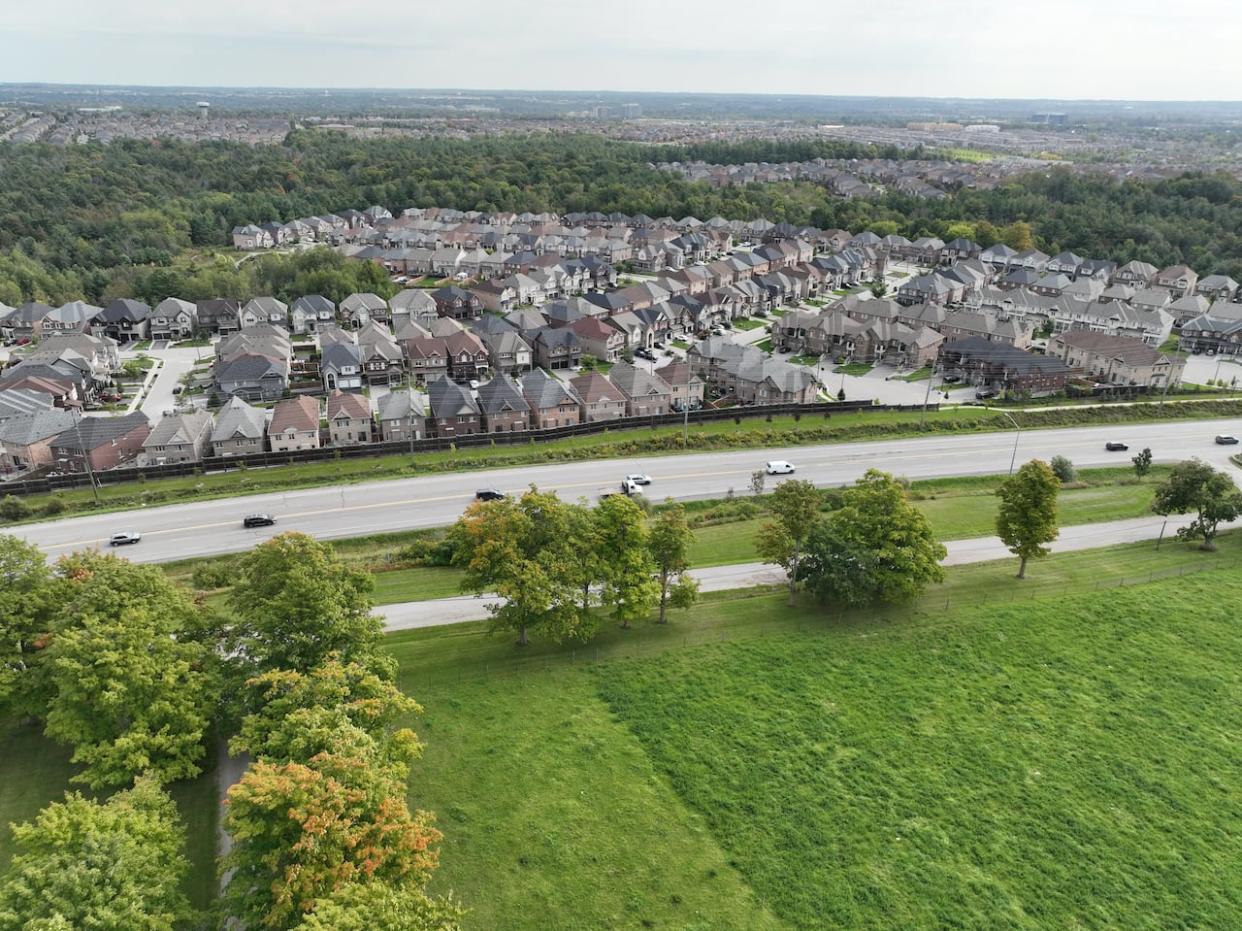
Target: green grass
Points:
(765, 344)
(809, 742)
(853, 368)
(680, 344)
(747, 323)
(920, 375)
(804, 360)
(35, 771)
(1019, 766)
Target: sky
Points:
(1102, 49)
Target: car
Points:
(983, 394)
(474, 384)
(658, 344)
(638, 478)
(177, 389)
(1115, 446)
(1224, 439)
(258, 520)
(726, 324)
(779, 467)
(643, 353)
(124, 539)
(489, 494)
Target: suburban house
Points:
(504, 408)
(174, 318)
(1117, 360)
(551, 405)
(178, 437)
(252, 376)
(125, 320)
(363, 306)
(427, 358)
(239, 430)
(646, 394)
(598, 339)
(556, 348)
(294, 425)
(456, 303)
(686, 387)
(349, 419)
(340, 366)
(311, 313)
(261, 310)
(1219, 331)
(383, 363)
(401, 417)
(508, 352)
(219, 315)
(453, 410)
(598, 398)
(106, 441)
(1002, 367)
(26, 439)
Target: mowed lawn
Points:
(1066, 763)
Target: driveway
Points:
(176, 363)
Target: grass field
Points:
(747, 323)
(853, 368)
(914, 767)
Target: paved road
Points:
(212, 527)
(412, 614)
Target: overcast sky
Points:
(1138, 49)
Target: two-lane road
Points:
(211, 527)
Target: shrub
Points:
(1063, 469)
(12, 508)
(427, 551)
(53, 506)
(218, 573)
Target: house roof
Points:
(300, 414)
(542, 391)
(237, 418)
(449, 399)
(502, 395)
(592, 388)
(93, 432)
(636, 382)
(179, 429)
(344, 404)
(397, 405)
(26, 428)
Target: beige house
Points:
(598, 398)
(349, 419)
(178, 438)
(240, 429)
(295, 425)
(1117, 360)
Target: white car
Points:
(124, 539)
(638, 478)
(779, 467)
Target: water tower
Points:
(203, 107)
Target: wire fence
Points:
(647, 639)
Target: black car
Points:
(1225, 439)
(258, 520)
(1115, 447)
(489, 494)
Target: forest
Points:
(153, 219)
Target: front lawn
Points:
(920, 375)
(747, 323)
(853, 368)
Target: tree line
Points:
(76, 220)
(134, 675)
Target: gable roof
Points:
(300, 414)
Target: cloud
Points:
(1141, 49)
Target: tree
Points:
(1063, 469)
(628, 585)
(878, 288)
(841, 394)
(297, 715)
(304, 831)
(669, 539)
(28, 596)
(1142, 462)
(1194, 486)
(876, 547)
(373, 906)
(586, 568)
(88, 864)
(296, 603)
(1027, 517)
(757, 479)
(523, 552)
(126, 692)
(795, 510)
(13, 509)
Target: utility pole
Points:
(927, 395)
(86, 455)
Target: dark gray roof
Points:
(93, 432)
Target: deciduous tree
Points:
(628, 586)
(522, 551)
(1142, 462)
(669, 538)
(28, 602)
(1195, 487)
(109, 865)
(782, 540)
(125, 692)
(296, 603)
(876, 547)
(1027, 517)
(374, 906)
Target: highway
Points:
(407, 615)
(213, 527)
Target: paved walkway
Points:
(414, 614)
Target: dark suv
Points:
(258, 520)
(489, 494)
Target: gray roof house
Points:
(239, 430)
(402, 417)
(177, 438)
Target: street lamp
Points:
(1017, 436)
